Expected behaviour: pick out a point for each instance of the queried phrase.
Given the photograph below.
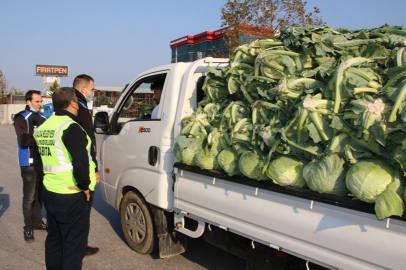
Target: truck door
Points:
(131, 151)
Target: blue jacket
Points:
(25, 122)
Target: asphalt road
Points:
(105, 231)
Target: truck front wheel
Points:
(137, 223)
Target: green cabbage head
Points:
(251, 165)
(326, 175)
(189, 154)
(205, 160)
(286, 171)
(376, 181)
(180, 145)
(228, 161)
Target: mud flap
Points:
(170, 242)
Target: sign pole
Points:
(44, 82)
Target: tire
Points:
(137, 223)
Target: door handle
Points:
(152, 155)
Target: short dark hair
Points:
(82, 79)
(28, 95)
(158, 84)
(62, 97)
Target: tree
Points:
(103, 100)
(53, 88)
(3, 87)
(14, 91)
(249, 19)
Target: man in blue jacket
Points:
(25, 123)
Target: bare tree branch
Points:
(253, 18)
(3, 87)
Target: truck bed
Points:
(346, 202)
(336, 232)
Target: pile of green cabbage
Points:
(313, 108)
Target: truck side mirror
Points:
(101, 123)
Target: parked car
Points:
(47, 110)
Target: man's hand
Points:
(97, 177)
(87, 194)
(84, 191)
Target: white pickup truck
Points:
(272, 227)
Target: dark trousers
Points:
(68, 222)
(32, 196)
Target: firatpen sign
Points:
(51, 70)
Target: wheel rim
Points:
(135, 223)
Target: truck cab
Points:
(138, 150)
(136, 159)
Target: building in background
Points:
(110, 92)
(20, 99)
(211, 43)
(192, 47)
(15, 99)
(107, 97)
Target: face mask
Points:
(31, 108)
(91, 96)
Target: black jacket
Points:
(25, 122)
(87, 124)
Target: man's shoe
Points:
(91, 251)
(41, 227)
(29, 235)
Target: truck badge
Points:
(142, 129)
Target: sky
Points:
(114, 41)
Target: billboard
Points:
(51, 70)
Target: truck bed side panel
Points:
(334, 235)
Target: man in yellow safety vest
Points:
(69, 174)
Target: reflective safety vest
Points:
(56, 160)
